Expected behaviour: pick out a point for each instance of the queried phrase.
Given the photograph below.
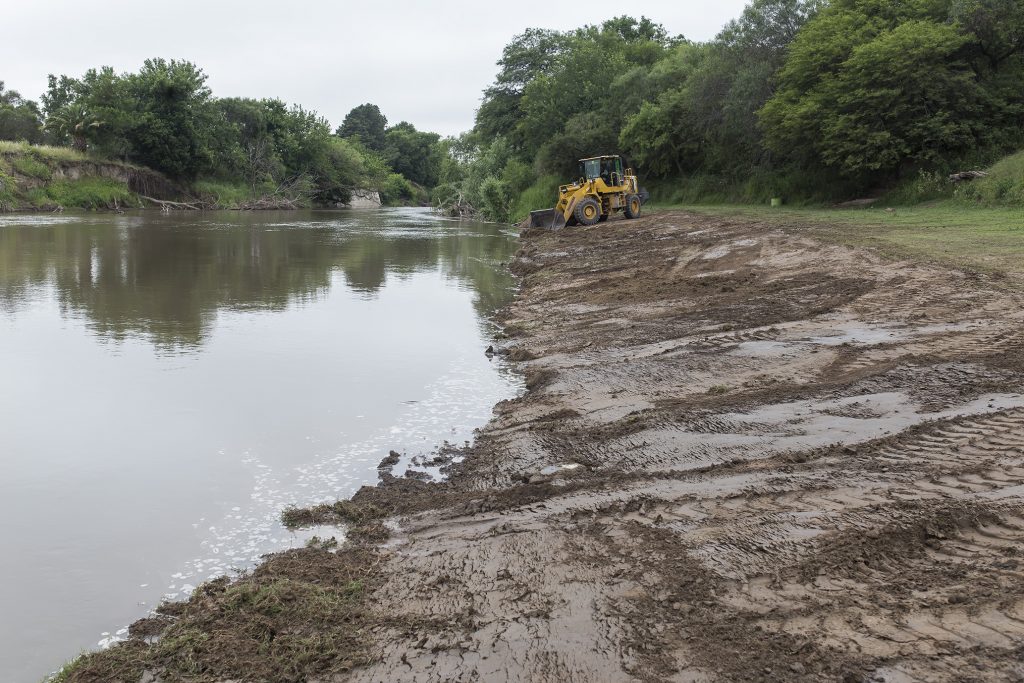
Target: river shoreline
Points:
(745, 454)
(51, 180)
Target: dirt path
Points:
(745, 455)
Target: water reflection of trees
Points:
(167, 277)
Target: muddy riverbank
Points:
(745, 454)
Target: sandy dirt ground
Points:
(745, 455)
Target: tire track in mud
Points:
(963, 345)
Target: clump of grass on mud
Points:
(301, 614)
(62, 674)
(343, 511)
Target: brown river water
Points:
(170, 383)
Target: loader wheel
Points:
(588, 211)
(633, 206)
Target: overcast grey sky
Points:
(426, 63)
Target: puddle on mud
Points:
(862, 336)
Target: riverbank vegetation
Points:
(807, 100)
(220, 152)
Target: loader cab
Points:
(607, 168)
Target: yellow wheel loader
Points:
(603, 189)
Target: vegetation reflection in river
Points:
(164, 277)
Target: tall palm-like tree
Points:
(73, 122)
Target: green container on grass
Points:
(776, 202)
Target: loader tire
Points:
(588, 211)
(633, 203)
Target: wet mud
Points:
(745, 455)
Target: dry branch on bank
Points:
(168, 205)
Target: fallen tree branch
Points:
(166, 204)
(966, 175)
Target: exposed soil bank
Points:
(745, 455)
(39, 181)
(52, 179)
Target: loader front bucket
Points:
(542, 219)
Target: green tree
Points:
(74, 122)
(20, 119)
(871, 89)
(172, 119)
(415, 154)
(367, 124)
(699, 115)
(529, 55)
(996, 27)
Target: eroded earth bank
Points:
(745, 454)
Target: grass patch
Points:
(224, 194)
(91, 193)
(302, 614)
(31, 167)
(42, 152)
(987, 240)
(8, 199)
(1003, 186)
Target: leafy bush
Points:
(495, 200)
(396, 190)
(542, 194)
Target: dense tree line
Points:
(808, 99)
(165, 117)
(812, 99)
